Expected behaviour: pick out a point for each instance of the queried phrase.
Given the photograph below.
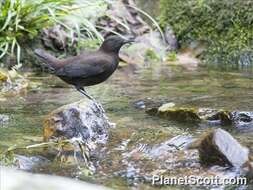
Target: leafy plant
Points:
(151, 55)
(21, 20)
(87, 13)
(172, 56)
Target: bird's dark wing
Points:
(85, 67)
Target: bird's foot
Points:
(98, 106)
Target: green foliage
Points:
(172, 56)
(225, 25)
(82, 18)
(89, 43)
(87, 12)
(151, 55)
(21, 20)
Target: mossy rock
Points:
(190, 114)
(209, 115)
(180, 114)
(225, 26)
(3, 76)
(170, 111)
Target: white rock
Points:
(13, 179)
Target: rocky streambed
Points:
(143, 144)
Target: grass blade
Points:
(150, 18)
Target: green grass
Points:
(21, 20)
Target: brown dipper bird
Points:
(88, 68)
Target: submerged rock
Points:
(242, 120)
(4, 119)
(220, 148)
(172, 158)
(179, 142)
(84, 119)
(30, 163)
(140, 104)
(25, 181)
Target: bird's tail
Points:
(51, 61)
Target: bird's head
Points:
(114, 43)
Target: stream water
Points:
(156, 82)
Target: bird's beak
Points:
(127, 41)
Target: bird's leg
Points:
(85, 93)
(81, 90)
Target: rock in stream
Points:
(30, 163)
(84, 125)
(13, 179)
(179, 157)
(4, 119)
(220, 148)
(204, 117)
(84, 119)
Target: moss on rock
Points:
(226, 26)
(3, 76)
(181, 114)
(190, 114)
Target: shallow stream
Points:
(121, 96)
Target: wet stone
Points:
(83, 119)
(4, 119)
(204, 117)
(170, 38)
(242, 120)
(140, 104)
(179, 142)
(76, 131)
(220, 148)
(14, 179)
(215, 117)
(30, 163)
(180, 114)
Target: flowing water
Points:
(156, 82)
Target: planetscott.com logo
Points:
(198, 180)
